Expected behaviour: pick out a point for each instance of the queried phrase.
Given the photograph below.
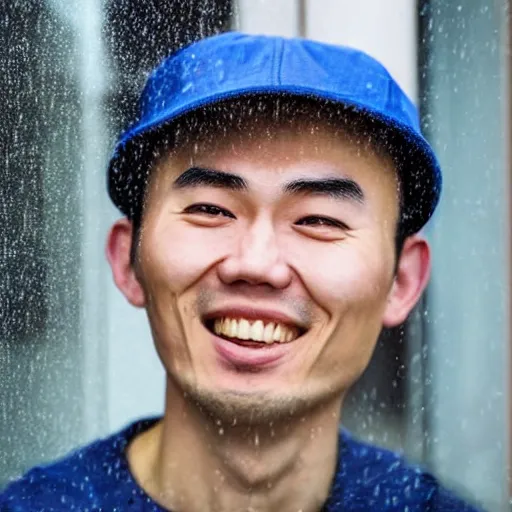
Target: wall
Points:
(465, 99)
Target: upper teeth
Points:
(257, 331)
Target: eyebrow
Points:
(335, 188)
(200, 177)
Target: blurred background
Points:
(77, 362)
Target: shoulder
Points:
(72, 482)
(373, 478)
(64, 483)
(86, 479)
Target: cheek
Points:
(174, 257)
(177, 254)
(347, 274)
(350, 282)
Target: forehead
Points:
(277, 131)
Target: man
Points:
(272, 190)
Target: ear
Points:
(118, 250)
(411, 279)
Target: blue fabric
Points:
(234, 65)
(97, 478)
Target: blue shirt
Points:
(97, 478)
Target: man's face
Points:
(278, 227)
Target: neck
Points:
(188, 462)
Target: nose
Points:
(256, 258)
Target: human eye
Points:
(209, 210)
(315, 220)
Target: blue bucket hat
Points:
(235, 65)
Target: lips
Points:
(258, 330)
(250, 337)
(258, 325)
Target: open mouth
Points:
(253, 333)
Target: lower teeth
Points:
(245, 342)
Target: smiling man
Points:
(272, 192)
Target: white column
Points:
(123, 377)
(271, 17)
(388, 34)
(91, 354)
(87, 17)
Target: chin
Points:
(253, 405)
